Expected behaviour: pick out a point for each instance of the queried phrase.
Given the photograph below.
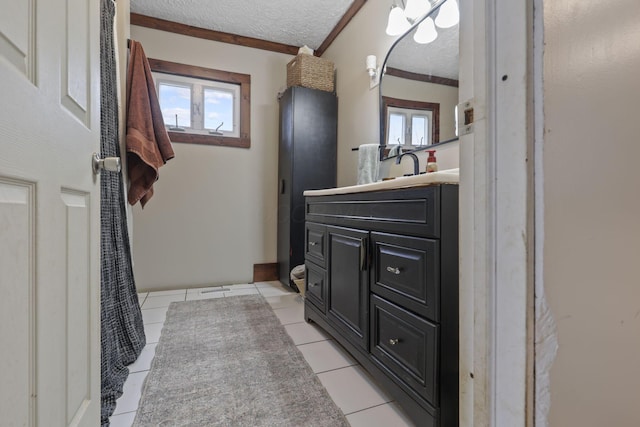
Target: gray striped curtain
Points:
(122, 332)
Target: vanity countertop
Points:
(449, 176)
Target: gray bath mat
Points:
(229, 362)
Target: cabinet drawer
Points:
(406, 271)
(316, 286)
(406, 346)
(413, 211)
(315, 243)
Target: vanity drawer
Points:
(406, 346)
(315, 243)
(406, 271)
(316, 285)
(414, 211)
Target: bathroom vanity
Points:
(382, 279)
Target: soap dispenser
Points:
(432, 166)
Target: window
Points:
(203, 106)
(411, 123)
(175, 101)
(409, 127)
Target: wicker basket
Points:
(310, 71)
(300, 284)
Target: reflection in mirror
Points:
(419, 86)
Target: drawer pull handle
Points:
(394, 341)
(313, 285)
(313, 243)
(394, 270)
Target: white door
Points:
(49, 213)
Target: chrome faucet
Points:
(416, 162)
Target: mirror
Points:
(419, 89)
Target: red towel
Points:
(148, 145)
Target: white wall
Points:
(592, 209)
(214, 213)
(122, 31)
(358, 120)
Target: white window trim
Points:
(198, 86)
(409, 114)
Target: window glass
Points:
(419, 128)
(396, 128)
(175, 103)
(218, 110)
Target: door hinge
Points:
(465, 117)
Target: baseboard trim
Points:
(265, 272)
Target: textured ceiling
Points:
(292, 22)
(298, 23)
(438, 58)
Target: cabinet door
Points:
(348, 296)
(285, 155)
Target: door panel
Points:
(49, 213)
(76, 62)
(348, 305)
(17, 305)
(77, 333)
(16, 39)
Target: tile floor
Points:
(351, 388)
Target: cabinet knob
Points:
(394, 341)
(313, 285)
(313, 243)
(394, 270)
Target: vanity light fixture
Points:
(416, 9)
(426, 32)
(448, 15)
(372, 70)
(397, 23)
(372, 65)
(400, 20)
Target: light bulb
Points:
(397, 23)
(448, 15)
(416, 8)
(426, 32)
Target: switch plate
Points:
(465, 117)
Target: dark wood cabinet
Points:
(388, 265)
(348, 289)
(306, 161)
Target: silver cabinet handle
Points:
(394, 270)
(111, 164)
(313, 243)
(313, 285)
(394, 341)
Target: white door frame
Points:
(495, 214)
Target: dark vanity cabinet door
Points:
(348, 297)
(383, 281)
(307, 158)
